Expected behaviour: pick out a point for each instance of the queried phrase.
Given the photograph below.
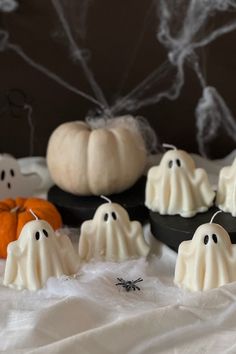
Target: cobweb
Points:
(181, 27)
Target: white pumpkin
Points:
(89, 159)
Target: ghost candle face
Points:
(37, 255)
(111, 236)
(177, 187)
(226, 192)
(207, 261)
(12, 182)
(173, 160)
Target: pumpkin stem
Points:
(31, 211)
(169, 146)
(13, 210)
(213, 217)
(107, 199)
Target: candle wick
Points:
(107, 199)
(169, 146)
(31, 211)
(213, 217)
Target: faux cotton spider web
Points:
(181, 28)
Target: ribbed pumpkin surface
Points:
(14, 214)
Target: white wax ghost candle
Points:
(226, 192)
(176, 186)
(207, 261)
(12, 182)
(111, 236)
(37, 255)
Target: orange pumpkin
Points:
(14, 214)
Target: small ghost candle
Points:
(207, 261)
(111, 236)
(176, 186)
(226, 191)
(37, 255)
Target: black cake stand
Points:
(76, 209)
(172, 230)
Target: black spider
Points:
(129, 284)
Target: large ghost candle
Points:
(111, 236)
(207, 261)
(37, 255)
(226, 191)
(176, 186)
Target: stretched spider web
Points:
(181, 28)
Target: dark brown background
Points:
(116, 47)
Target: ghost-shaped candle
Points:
(207, 261)
(226, 191)
(12, 182)
(176, 186)
(111, 236)
(37, 255)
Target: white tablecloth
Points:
(89, 314)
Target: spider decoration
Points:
(129, 284)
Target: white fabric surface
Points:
(89, 314)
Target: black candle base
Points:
(76, 209)
(172, 230)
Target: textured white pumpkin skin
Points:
(86, 161)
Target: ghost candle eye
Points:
(206, 239)
(105, 217)
(114, 215)
(37, 235)
(170, 164)
(214, 237)
(178, 162)
(45, 233)
(2, 175)
(12, 172)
